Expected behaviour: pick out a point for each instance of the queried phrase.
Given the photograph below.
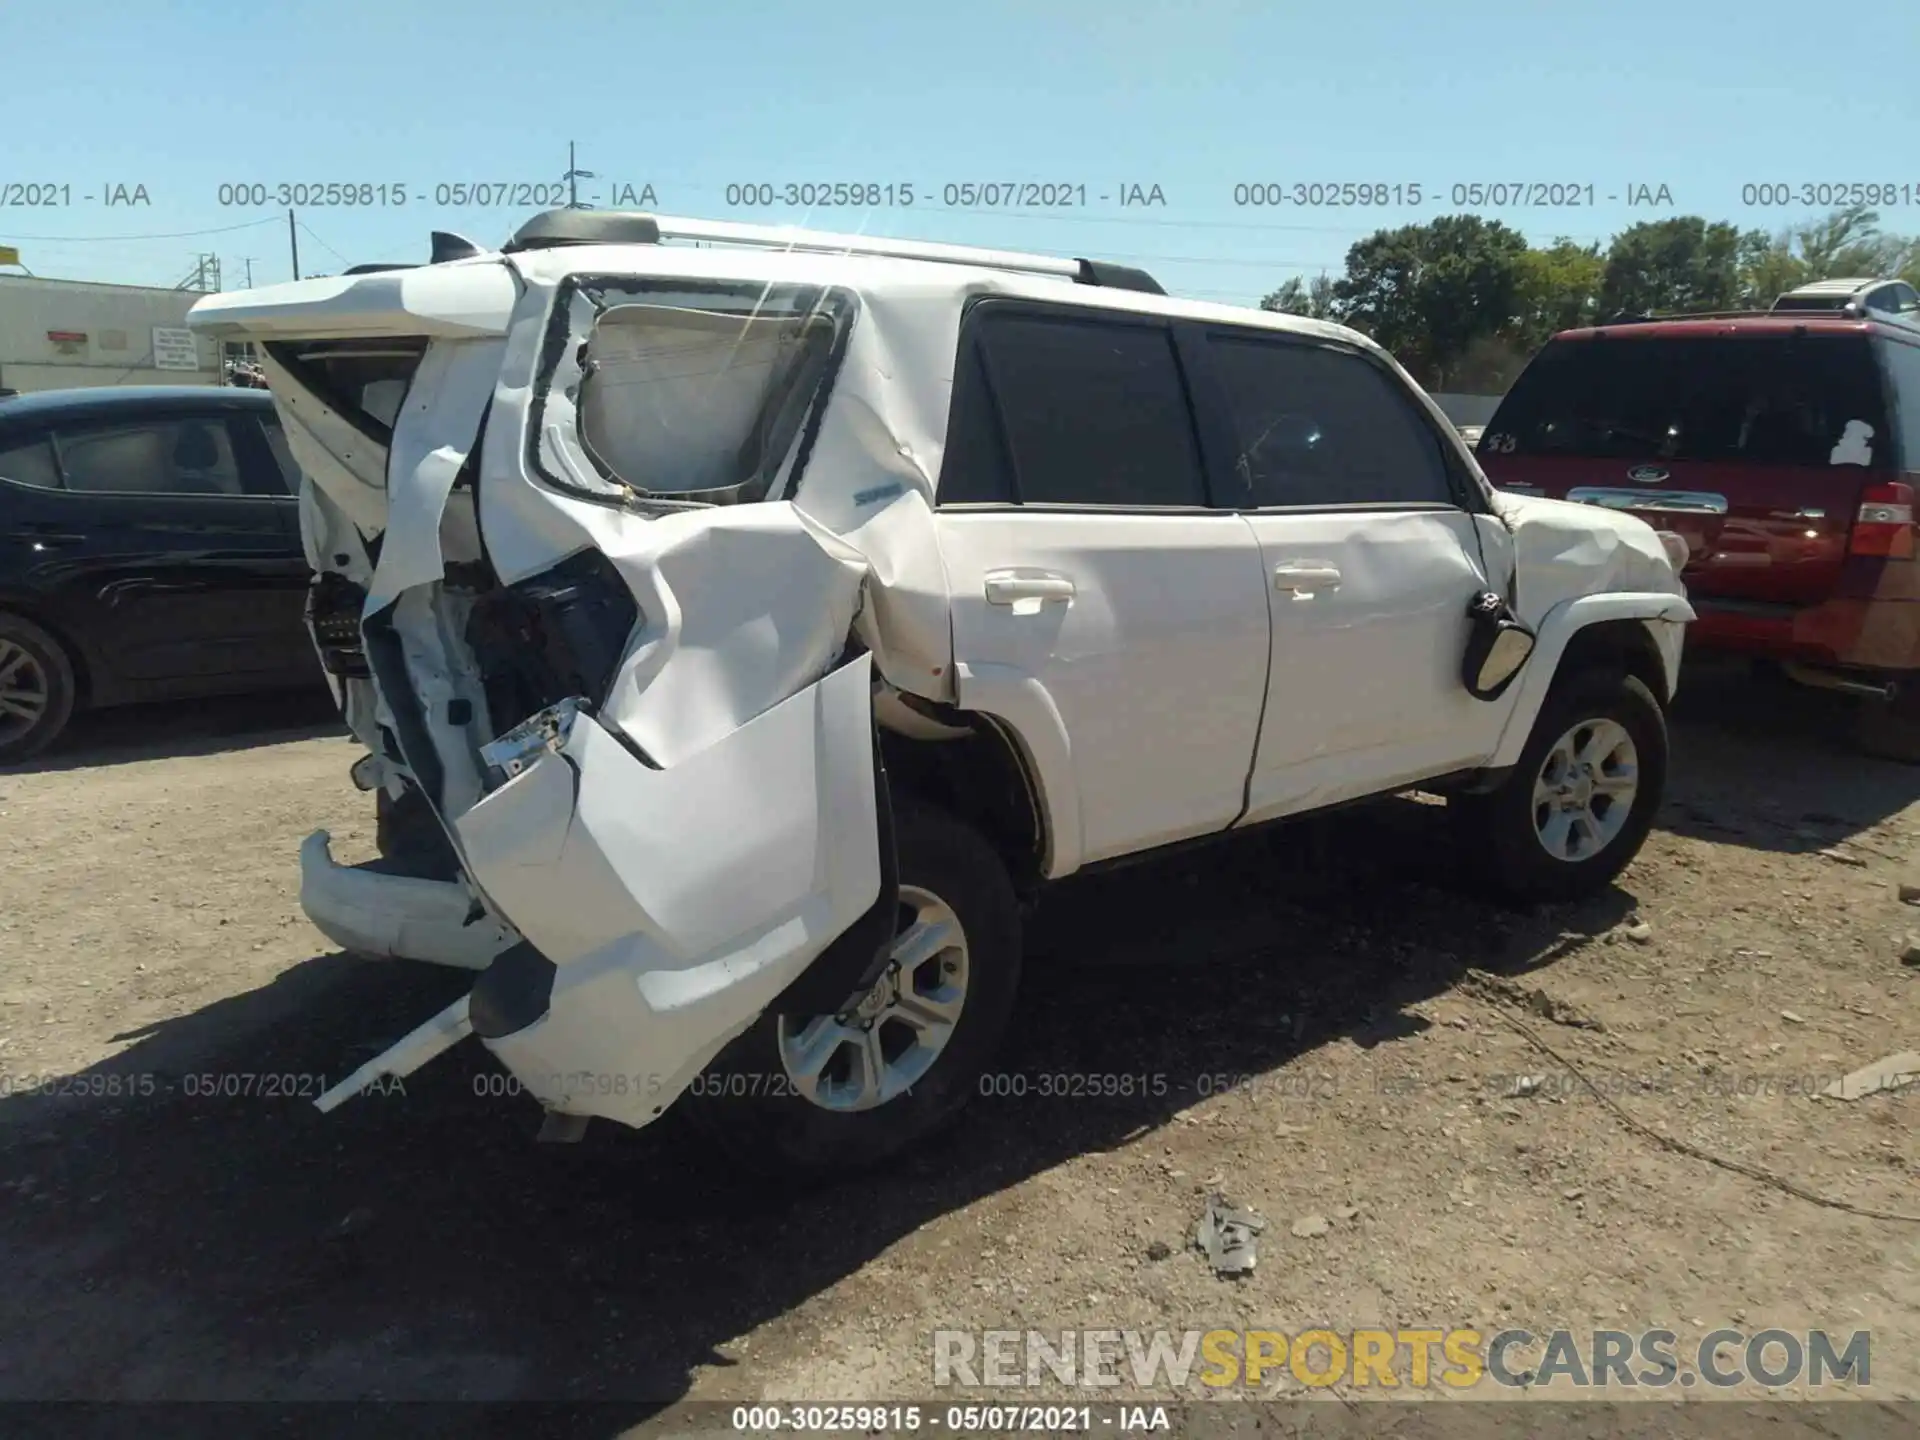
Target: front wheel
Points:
(1577, 807)
(804, 1097)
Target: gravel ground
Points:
(1419, 1158)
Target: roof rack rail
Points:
(554, 228)
(1655, 318)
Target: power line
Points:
(323, 244)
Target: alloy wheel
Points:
(882, 1046)
(1585, 790)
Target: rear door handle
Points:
(1306, 577)
(1004, 587)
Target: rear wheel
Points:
(36, 689)
(1577, 807)
(1890, 729)
(811, 1096)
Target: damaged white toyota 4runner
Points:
(742, 633)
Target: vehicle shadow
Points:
(172, 729)
(1762, 762)
(168, 1243)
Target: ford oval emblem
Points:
(1646, 474)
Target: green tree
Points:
(1311, 298)
(1559, 290)
(1847, 244)
(1685, 263)
(1429, 292)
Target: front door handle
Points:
(1004, 587)
(1305, 578)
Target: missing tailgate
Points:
(365, 381)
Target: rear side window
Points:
(701, 403)
(189, 456)
(29, 462)
(1903, 369)
(1316, 425)
(1758, 399)
(1094, 411)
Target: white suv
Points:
(742, 633)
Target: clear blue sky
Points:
(1194, 96)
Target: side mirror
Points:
(1498, 645)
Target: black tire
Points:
(1498, 830)
(1889, 729)
(33, 656)
(745, 1104)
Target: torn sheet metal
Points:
(741, 608)
(1226, 1235)
(1565, 550)
(677, 902)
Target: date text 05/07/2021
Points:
(958, 1419)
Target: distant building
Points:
(58, 334)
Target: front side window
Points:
(1319, 425)
(1091, 412)
(188, 456)
(694, 394)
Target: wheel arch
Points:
(980, 771)
(79, 656)
(1638, 633)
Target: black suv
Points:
(149, 550)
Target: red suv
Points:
(1785, 447)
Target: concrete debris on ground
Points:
(1890, 1073)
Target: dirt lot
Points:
(163, 1244)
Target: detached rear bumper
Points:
(395, 917)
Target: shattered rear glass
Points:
(699, 394)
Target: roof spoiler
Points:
(554, 228)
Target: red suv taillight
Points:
(1884, 525)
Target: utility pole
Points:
(247, 260)
(573, 177)
(293, 243)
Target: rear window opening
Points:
(364, 380)
(1801, 400)
(698, 395)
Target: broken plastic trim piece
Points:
(545, 733)
(439, 1034)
